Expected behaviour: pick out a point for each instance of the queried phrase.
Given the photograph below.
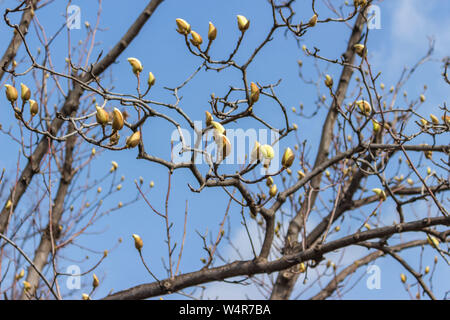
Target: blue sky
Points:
(401, 41)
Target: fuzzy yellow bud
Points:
(328, 81)
(376, 126)
(133, 140)
(117, 122)
(446, 119)
(403, 277)
(243, 23)
(209, 118)
(380, 193)
(114, 165)
(95, 281)
(267, 151)
(427, 269)
(269, 181)
(359, 49)
(138, 243)
(183, 26)
(34, 108)
(254, 93)
(382, 86)
(294, 126)
(337, 228)
(119, 187)
(101, 115)
(212, 32)
(218, 127)
(255, 155)
(410, 181)
(151, 79)
(367, 226)
(364, 107)
(20, 275)
(136, 65)
(25, 92)
(273, 190)
(302, 267)
(432, 241)
(93, 152)
(11, 93)
(422, 98)
(434, 119)
(301, 174)
(99, 189)
(85, 296)
(313, 21)
(152, 184)
(8, 204)
(196, 39)
(288, 158)
(26, 286)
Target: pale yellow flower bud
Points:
(151, 79)
(34, 108)
(360, 49)
(212, 32)
(183, 26)
(133, 140)
(254, 93)
(380, 193)
(196, 39)
(243, 23)
(328, 81)
(269, 181)
(11, 93)
(25, 92)
(288, 158)
(273, 190)
(101, 116)
(85, 296)
(138, 243)
(403, 277)
(434, 119)
(95, 281)
(117, 122)
(313, 21)
(364, 107)
(136, 65)
(209, 118)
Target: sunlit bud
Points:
(428, 170)
(376, 126)
(403, 277)
(138, 243)
(117, 122)
(25, 92)
(101, 115)
(20, 275)
(34, 109)
(120, 205)
(203, 260)
(382, 86)
(380, 193)
(26, 286)
(224, 145)
(367, 226)
(273, 190)
(301, 174)
(364, 107)
(105, 253)
(337, 228)
(301, 267)
(183, 26)
(8, 204)
(313, 21)
(434, 119)
(11, 93)
(422, 98)
(267, 151)
(328, 81)
(254, 93)
(446, 119)
(85, 296)
(243, 23)
(152, 184)
(424, 122)
(359, 49)
(133, 140)
(212, 32)
(114, 165)
(288, 158)
(136, 65)
(433, 241)
(289, 171)
(294, 126)
(93, 152)
(14, 63)
(327, 173)
(294, 110)
(410, 181)
(435, 259)
(428, 154)
(151, 79)
(87, 204)
(304, 48)
(95, 281)
(427, 269)
(209, 118)
(269, 181)
(196, 39)
(349, 138)
(255, 155)
(119, 187)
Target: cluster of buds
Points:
(364, 107)
(12, 95)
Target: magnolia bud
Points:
(434, 119)
(114, 165)
(133, 140)
(136, 65)
(209, 118)
(403, 277)
(273, 190)
(424, 122)
(269, 181)
(85, 296)
(301, 174)
(151, 79)
(138, 243)
(8, 204)
(152, 184)
(25, 92)
(359, 49)
(101, 116)
(20, 275)
(93, 152)
(255, 155)
(196, 39)
(254, 93)
(243, 23)
(288, 158)
(376, 126)
(427, 269)
(11, 93)
(328, 81)
(364, 107)
(367, 226)
(313, 21)
(34, 109)
(26, 286)
(183, 26)
(212, 32)
(380, 193)
(95, 281)
(422, 98)
(218, 128)
(117, 122)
